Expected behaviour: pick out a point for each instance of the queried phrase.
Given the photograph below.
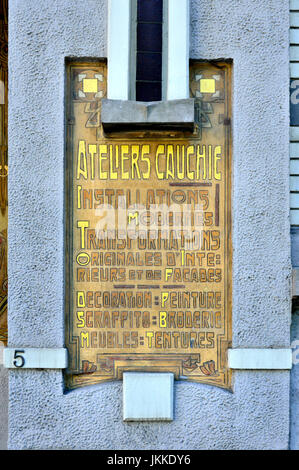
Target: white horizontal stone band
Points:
(35, 358)
(256, 359)
(294, 4)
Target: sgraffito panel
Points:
(148, 239)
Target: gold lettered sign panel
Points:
(148, 237)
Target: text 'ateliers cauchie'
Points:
(131, 162)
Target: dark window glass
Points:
(149, 66)
(148, 91)
(149, 10)
(149, 37)
(149, 50)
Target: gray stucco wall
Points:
(3, 406)
(294, 435)
(256, 416)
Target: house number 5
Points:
(19, 359)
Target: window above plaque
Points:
(148, 42)
(148, 66)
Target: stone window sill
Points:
(118, 115)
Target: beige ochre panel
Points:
(148, 239)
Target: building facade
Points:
(256, 405)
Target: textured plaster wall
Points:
(294, 437)
(256, 416)
(3, 406)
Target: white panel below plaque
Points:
(147, 396)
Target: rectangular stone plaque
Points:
(148, 237)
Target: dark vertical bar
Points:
(217, 194)
(149, 50)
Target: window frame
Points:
(122, 16)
